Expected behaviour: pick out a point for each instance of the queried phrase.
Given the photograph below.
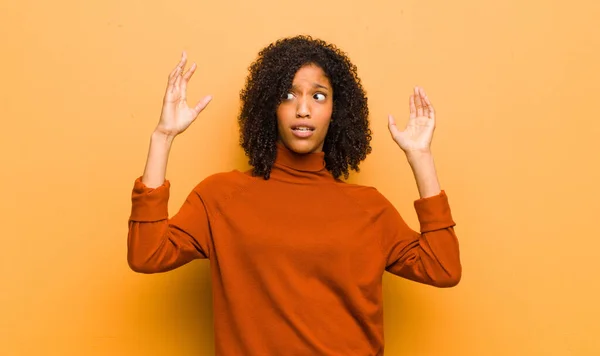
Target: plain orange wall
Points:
(516, 87)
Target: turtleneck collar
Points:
(306, 162)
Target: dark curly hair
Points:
(347, 142)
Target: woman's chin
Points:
(303, 146)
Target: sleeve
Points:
(156, 243)
(431, 256)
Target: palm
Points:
(417, 135)
(176, 115)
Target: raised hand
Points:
(417, 136)
(176, 116)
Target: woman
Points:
(296, 254)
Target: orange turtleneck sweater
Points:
(296, 260)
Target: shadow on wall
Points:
(406, 310)
(181, 313)
(178, 309)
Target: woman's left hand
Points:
(416, 137)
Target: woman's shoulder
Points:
(365, 195)
(224, 183)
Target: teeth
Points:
(302, 129)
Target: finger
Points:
(425, 106)
(428, 105)
(202, 104)
(185, 78)
(183, 61)
(392, 126)
(418, 102)
(173, 80)
(188, 74)
(412, 107)
(177, 85)
(179, 66)
(176, 72)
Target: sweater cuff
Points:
(434, 212)
(149, 204)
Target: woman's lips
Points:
(302, 133)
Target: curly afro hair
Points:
(347, 142)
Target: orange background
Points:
(515, 85)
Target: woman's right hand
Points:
(176, 115)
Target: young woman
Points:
(296, 254)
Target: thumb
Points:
(202, 104)
(392, 126)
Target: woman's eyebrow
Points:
(315, 85)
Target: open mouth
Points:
(303, 128)
(302, 131)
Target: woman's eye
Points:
(288, 96)
(319, 96)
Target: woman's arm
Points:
(176, 116)
(423, 169)
(155, 242)
(156, 162)
(415, 141)
(431, 256)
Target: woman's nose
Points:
(302, 110)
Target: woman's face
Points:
(305, 112)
